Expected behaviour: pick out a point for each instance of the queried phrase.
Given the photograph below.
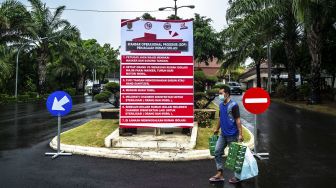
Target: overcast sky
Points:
(105, 27)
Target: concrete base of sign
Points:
(152, 154)
(146, 140)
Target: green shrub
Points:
(201, 103)
(102, 97)
(112, 87)
(23, 98)
(211, 80)
(199, 86)
(71, 91)
(32, 95)
(212, 92)
(203, 118)
(219, 86)
(199, 76)
(199, 96)
(281, 90)
(108, 93)
(304, 91)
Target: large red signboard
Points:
(156, 73)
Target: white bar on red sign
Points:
(256, 100)
(156, 110)
(157, 87)
(157, 81)
(156, 70)
(156, 59)
(140, 98)
(157, 120)
(157, 90)
(159, 125)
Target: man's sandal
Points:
(234, 180)
(216, 179)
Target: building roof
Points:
(211, 69)
(252, 71)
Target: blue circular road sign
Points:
(59, 103)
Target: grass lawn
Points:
(91, 133)
(329, 108)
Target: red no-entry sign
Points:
(256, 100)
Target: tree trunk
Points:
(258, 73)
(83, 84)
(42, 72)
(80, 83)
(333, 81)
(290, 53)
(314, 44)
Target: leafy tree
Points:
(276, 20)
(173, 17)
(207, 43)
(147, 16)
(316, 16)
(47, 28)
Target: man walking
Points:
(231, 131)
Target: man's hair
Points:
(226, 89)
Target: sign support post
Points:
(260, 156)
(256, 101)
(59, 104)
(59, 152)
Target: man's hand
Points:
(215, 131)
(240, 138)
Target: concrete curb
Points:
(141, 154)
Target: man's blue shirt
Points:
(228, 114)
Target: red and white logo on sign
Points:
(148, 25)
(256, 100)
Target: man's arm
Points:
(236, 116)
(216, 128)
(240, 129)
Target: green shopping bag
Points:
(236, 156)
(212, 144)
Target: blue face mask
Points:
(221, 98)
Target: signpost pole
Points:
(255, 134)
(59, 134)
(260, 156)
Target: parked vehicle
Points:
(235, 88)
(96, 89)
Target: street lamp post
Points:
(17, 66)
(157, 131)
(176, 7)
(17, 63)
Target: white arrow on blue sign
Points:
(59, 103)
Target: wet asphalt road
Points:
(301, 146)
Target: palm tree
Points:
(239, 47)
(5, 67)
(13, 21)
(273, 17)
(47, 28)
(314, 15)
